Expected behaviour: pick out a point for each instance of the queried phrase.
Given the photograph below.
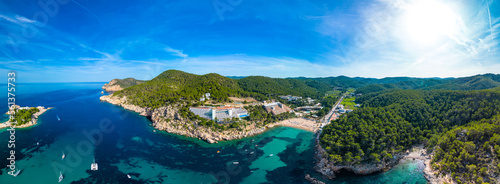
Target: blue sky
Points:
(92, 40)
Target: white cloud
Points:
(176, 52)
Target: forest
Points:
(23, 116)
(390, 123)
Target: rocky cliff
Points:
(120, 84)
(329, 169)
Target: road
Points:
(325, 120)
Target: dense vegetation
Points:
(173, 86)
(23, 116)
(276, 86)
(389, 123)
(478, 82)
(470, 153)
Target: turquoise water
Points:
(131, 147)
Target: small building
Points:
(276, 108)
(291, 98)
(219, 113)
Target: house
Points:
(276, 108)
(291, 98)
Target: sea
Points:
(124, 143)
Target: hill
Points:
(120, 84)
(172, 86)
(478, 82)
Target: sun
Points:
(429, 21)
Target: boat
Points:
(251, 152)
(58, 119)
(102, 92)
(94, 166)
(271, 155)
(128, 176)
(17, 173)
(63, 156)
(236, 163)
(60, 176)
(37, 143)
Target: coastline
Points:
(419, 153)
(32, 122)
(328, 169)
(168, 119)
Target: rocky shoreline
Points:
(168, 119)
(32, 122)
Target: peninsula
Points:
(24, 116)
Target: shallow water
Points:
(131, 147)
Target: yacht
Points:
(60, 176)
(94, 166)
(235, 163)
(17, 173)
(58, 119)
(271, 155)
(128, 176)
(63, 156)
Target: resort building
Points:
(276, 108)
(291, 98)
(219, 113)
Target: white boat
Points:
(60, 176)
(102, 92)
(271, 155)
(236, 163)
(128, 176)
(17, 173)
(251, 152)
(63, 156)
(94, 166)
(37, 143)
(58, 119)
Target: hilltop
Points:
(120, 84)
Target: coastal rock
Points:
(112, 86)
(313, 180)
(328, 169)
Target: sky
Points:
(99, 40)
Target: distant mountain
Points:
(173, 85)
(277, 86)
(478, 82)
(236, 77)
(120, 84)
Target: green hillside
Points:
(478, 82)
(128, 82)
(392, 122)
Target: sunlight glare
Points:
(429, 21)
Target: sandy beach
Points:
(302, 123)
(419, 153)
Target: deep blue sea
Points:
(128, 145)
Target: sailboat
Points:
(63, 156)
(58, 119)
(60, 176)
(94, 166)
(17, 173)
